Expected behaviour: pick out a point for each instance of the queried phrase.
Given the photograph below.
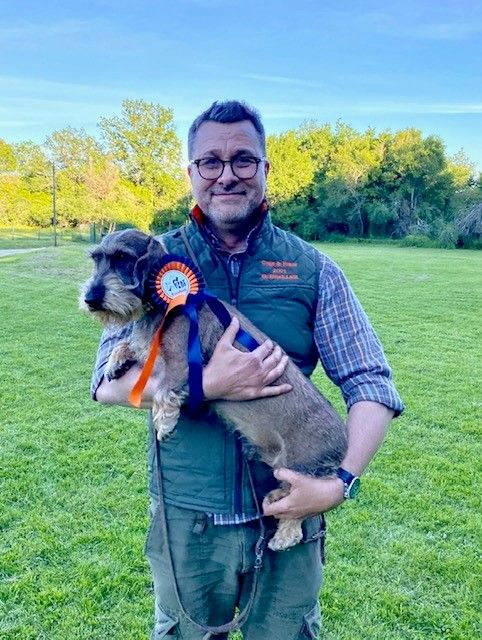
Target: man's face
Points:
(228, 200)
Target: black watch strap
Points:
(351, 482)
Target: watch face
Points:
(354, 488)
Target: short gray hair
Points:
(227, 112)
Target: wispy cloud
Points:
(341, 109)
(281, 80)
(432, 108)
(17, 86)
(446, 30)
(25, 31)
(96, 34)
(421, 26)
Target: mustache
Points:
(225, 192)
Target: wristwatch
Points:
(351, 482)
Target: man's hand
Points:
(235, 375)
(367, 424)
(308, 495)
(117, 391)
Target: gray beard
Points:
(236, 217)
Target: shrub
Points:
(415, 240)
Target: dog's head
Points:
(115, 290)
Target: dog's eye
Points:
(121, 256)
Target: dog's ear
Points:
(141, 268)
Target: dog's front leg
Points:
(121, 359)
(166, 406)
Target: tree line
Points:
(326, 180)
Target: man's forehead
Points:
(219, 136)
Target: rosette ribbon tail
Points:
(135, 396)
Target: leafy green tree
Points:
(318, 141)
(292, 169)
(73, 150)
(8, 161)
(354, 161)
(33, 166)
(25, 192)
(144, 144)
(416, 179)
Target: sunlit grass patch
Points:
(402, 560)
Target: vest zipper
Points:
(232, 299)
(239, 460)
(238, 449)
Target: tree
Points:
(292, 168)
(145, 146)
(33, 166)
(8, 162)
(73, 150)
(345, 189)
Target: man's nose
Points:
(227, 176)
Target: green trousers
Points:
(214, 571)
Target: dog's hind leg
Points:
(289, 531)
(166, 406)
(287, 534)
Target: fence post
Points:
(54, 209)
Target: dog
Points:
(299, 430)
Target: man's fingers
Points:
(276, 371)
(287, 475)
(263, 350)
(229, 335)
(273, 358)
(275, 390)
(278, 508)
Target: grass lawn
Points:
(11, 238)
(403, 561)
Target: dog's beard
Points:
(119, 306)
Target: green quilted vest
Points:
(203, 466)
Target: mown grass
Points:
(26, 238)
(403, 560)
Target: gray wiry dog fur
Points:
(299, 430)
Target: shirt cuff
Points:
(385, 394)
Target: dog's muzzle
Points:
(94, 297)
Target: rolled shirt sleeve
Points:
(109, 339)
(349, 349)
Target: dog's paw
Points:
(166, 406)
(288, 534)
(117, 372)
(277, 494)
(120, 361)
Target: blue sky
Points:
(371, 63)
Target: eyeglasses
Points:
(243, 167)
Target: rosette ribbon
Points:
(175, 283)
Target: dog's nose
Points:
(94, 298)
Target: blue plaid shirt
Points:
(349, 349)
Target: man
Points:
(302, 300)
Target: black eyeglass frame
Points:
(224, 163)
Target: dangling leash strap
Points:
(260, 547)
(195, 389)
